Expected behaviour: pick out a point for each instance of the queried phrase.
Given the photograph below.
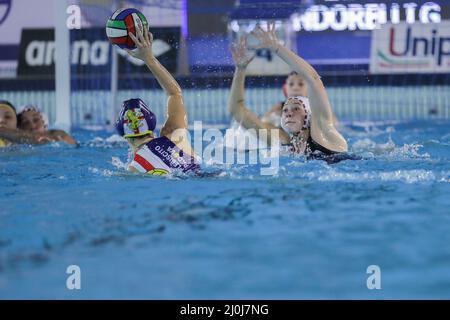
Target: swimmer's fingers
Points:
(135, 40)
(148, 37)
(267, 39)
(240, 55)
(273, 33)
(259, 34)
(140, 36)
(250, 59)
(244, 43)
(44, 139)
(235, 53)
(232, 49)
(143, 42)
(272, 27)
(237, 49)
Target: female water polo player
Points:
(293, 86)
(306, 122)
(31, 119)
(171, 152)
(9, 134)
(8, 120)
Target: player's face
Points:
(7, 118)
(32, 121)
(296, 86)
(292, 117)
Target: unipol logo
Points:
(411, 48)
(419, 45)
(5, 8)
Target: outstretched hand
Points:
(240, 54)
(143, 43)
(267, 39)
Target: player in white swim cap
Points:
(307, 123)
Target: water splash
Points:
(388, 150)
(114, 141)
(118, 164)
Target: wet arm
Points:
(236, 104)
(60, 135)
(17, 136)
(176, 113)
(176, 117)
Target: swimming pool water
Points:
(310, 232)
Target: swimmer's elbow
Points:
(236, 110)
(340, 146)
(176, 93)
(233, 106)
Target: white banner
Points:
(23, 14)
(16, 15)
(411, 48)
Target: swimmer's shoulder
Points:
(318, 152)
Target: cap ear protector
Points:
(135, 119)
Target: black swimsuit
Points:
(315, 151)
(318, 152)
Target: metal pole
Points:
(62, 66)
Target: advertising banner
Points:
(18, 15)
(411, 48)
(91, 52)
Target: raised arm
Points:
(236, 103)
(176, 112)
(322, 128)
(23, 137)
(316, 90)
(16, 136)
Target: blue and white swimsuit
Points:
(161, 156)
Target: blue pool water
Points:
(310, 232)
